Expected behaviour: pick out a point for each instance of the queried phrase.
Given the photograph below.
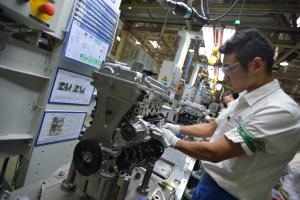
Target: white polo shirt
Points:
(266, 122)
(224, 112)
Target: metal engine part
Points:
(87, 157)
(145, 152)
(128, 104)
(134, 131)
(189, 113)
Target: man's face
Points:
(228, 99)
(238, 78)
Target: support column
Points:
(194, 75)
(183, 48)
(186, 37)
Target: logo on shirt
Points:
(238, 119)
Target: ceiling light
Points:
(118, 38)
(284, 64)
(137, 42)
(129, 7)
(211, 72)
(221, 74)
(228, 32)
(298, 22)
(208, 37)
(154, 43)
(218, 86)
(201, 51)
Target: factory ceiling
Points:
(147, 20)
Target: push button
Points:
(47, 8)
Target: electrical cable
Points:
(164, 25)
(242, 8)
(226, 13)
(188, 12)
(163, 28)
(183, 10)
(202, 8)
(206, 10)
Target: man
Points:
(250, 147)
(227, 100)
(229, 97)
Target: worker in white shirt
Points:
(229, 96)
(227, 100)
(251, 146)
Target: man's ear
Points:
(257, 64)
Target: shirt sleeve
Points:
(272, 130)
(221, 116)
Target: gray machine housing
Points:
(128, 104)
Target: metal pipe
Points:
(123, 182)
(190, 59)
(144, 188)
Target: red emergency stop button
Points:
(47, 8)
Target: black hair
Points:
(248, 44)
(235, 95)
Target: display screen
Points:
(92, 31)
(84, 46)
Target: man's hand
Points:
(172, 127)
(165, 136)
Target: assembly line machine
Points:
(116, 157)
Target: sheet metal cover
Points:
(163, 168)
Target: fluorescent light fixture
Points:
(118, 38)
(298, 22)
(201, 51)
(129, 7)
(211, 72)
(221, 75)
(228, 32)
(154, 43)
(208, 37)
(218, 86)
(284, 64)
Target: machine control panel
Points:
(38, 14)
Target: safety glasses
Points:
(228, 69)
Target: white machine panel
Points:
(33, 14)
(165, 74)
(47, 159)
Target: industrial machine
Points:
(189, 113)
(119, 139)
(116, 157)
